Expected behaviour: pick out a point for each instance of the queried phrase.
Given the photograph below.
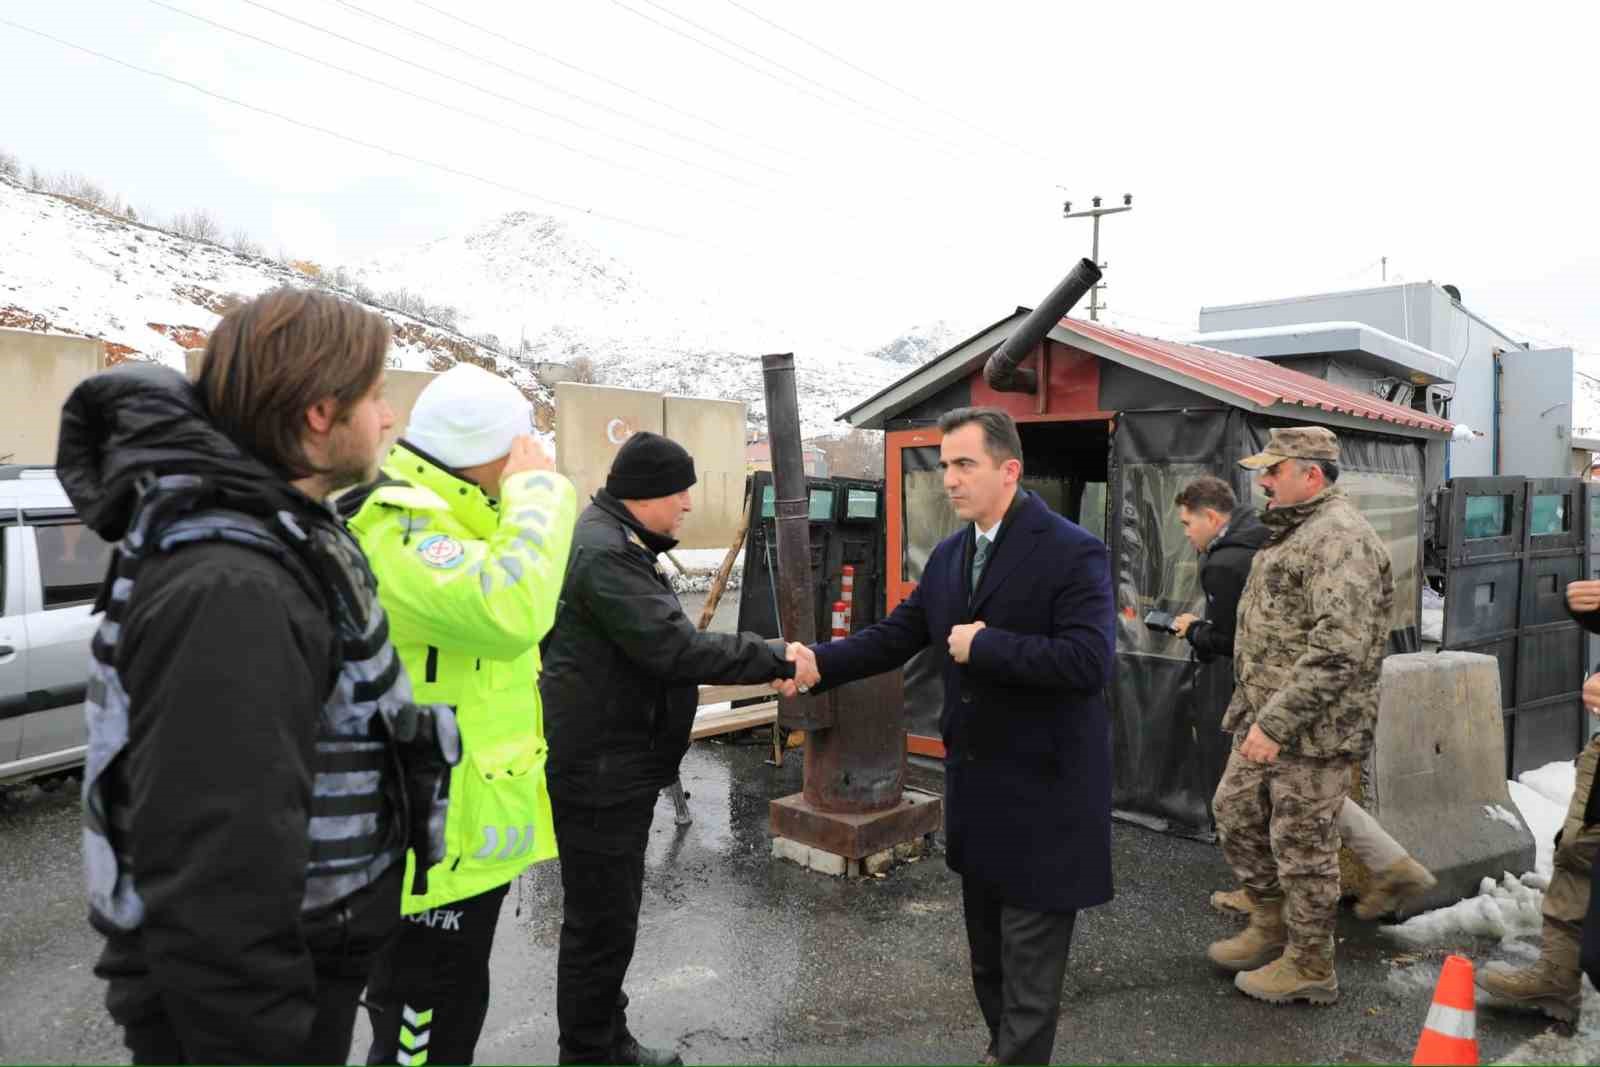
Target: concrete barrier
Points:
(39, 370)
(1438, 782)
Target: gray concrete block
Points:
(1438, 760)
(826, 863)
(786, 848)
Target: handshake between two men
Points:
(807, 676)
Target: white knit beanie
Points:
(467, 416)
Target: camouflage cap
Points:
(1294, 442)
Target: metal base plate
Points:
(856, 836)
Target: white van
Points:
(51, 566)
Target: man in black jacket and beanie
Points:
(620, 687)
(256, 767)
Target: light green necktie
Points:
(979, 558)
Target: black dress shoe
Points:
(630, 1051)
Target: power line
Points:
(621, 87)
(499, 96)
(889, 84)
(385, 149)
(565, 205)
(721, 198)
(542, 138)
(514, 72)
(894, 126)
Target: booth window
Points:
(819, 507)
(926, 515)
(1389, 502)
(1549, 513)
(1159, 570)
(861, 504)
(1487, 516)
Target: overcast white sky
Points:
(1272, 149)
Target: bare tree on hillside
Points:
(583, 370)
(242, 243)
(10, 166)
(80, 188)
(198, 224)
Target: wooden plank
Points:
(717, 694)
(728, 720)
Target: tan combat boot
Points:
(1551, 984)
(1234, 902)
(1391, 888)
(1298, 974)
(1257, 943)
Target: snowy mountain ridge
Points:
(545, 293)
(150, 294)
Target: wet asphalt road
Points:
(743, 959)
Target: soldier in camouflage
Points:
(1552, 983)
(1313, 622)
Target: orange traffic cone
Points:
(1450, 1034)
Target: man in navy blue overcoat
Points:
(1018, 605)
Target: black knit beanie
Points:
(649, 465)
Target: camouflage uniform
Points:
(1566, 902)
(1553, 983)
(1308, 649)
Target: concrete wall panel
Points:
(39, 371)
(713, 431)
(592, 421)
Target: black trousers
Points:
(152, 1039)
(429, 989)
(1019, 960)
(602, 882)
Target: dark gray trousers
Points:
(1019, 960)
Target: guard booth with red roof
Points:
(1118, 425)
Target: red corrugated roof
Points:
(1259, 381)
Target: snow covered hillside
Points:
(150, 294)
(547, 292)
(543, 292)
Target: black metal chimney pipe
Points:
(792, 518)
(1002, 372)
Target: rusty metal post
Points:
(791, 506)
(853, 802)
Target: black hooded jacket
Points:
(1223, 570)
(623, 664)
(227, 655)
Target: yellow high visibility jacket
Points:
(471, 587)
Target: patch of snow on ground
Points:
(1544, 819)
(1503, 910)
(1508, 908)
(1554, 781)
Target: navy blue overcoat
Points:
(1026, 731)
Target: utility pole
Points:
(1095, 212)
(1383, 262)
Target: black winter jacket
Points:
(623, 663)
(227, 657)
(1223, 570)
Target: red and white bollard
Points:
(847, 586)
(841, 619)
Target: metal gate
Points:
(1512, 545)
